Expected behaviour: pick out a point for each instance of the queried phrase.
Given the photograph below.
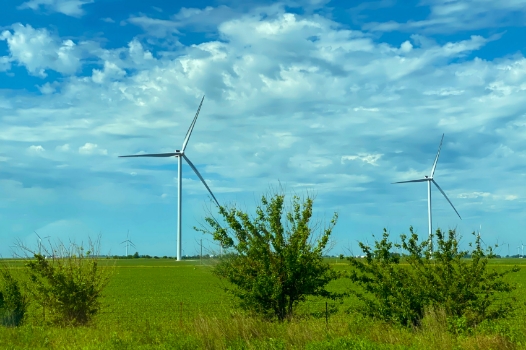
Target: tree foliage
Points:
(400, 288)
(276, 262)
(13, 303)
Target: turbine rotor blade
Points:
(189, 132)
(447, 198)
(403, 182)
(173, 154)
(200, 177)
(436, 159)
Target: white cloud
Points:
(46, 89)
(288, 97)
(91, 148)
(38, 50)
(444, 92)
(5, 63)
(63, 148)
(364, 157)
(474, 195)
(406, 46)
(36, 149)
(68, 7)
(358, 109)
(458, 15)
(110, 72)
(157, 27)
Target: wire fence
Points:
(188, 311)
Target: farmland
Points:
(162, 303)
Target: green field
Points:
(162, 303)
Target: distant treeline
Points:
(139, 256)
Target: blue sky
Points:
(320, 96)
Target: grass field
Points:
(162, 303)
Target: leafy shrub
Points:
(69, 284)
(467, 290)
(276, 262)
(13, 304)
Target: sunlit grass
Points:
(162, 303)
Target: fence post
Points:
(326, 315)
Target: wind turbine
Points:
(179, 154)
(40, 242)
(128, 242)
(430, 179)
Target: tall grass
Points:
(241, 331)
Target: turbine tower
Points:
(179, 154)
(430, 179)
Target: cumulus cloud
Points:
(299, 98)
(110, 72)
(47, 89)
(36, 149)
(39, 50)
(68, 7)
(91, 148)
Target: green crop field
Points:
(162, 303)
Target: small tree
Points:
(276, 262)
(67, 282)
(463, 287)
(13, 303)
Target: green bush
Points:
(276, 261)
(13, 304)
(68, 285)
(401, 288)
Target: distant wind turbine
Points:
(430, 179)
(179, 154)
(40, 242)
(128, 242)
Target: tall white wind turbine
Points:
(128, 242)
(430, 179)
(179, 154)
